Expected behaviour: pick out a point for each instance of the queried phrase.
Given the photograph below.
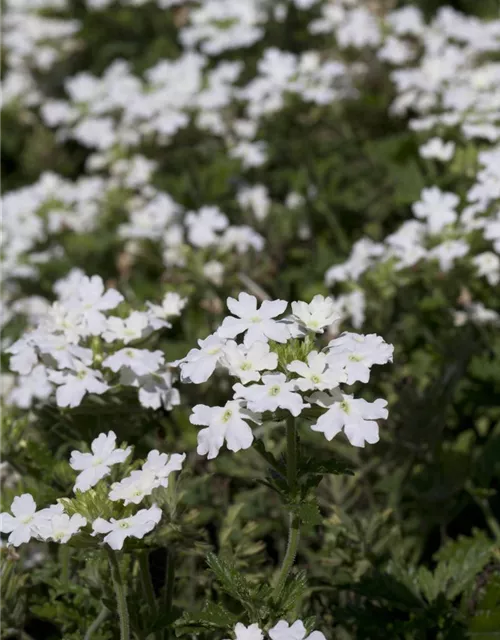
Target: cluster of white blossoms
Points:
(445, 73)
(79, 348)
(271, 379)
(53, 523)
(280, 631)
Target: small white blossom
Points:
(97, 465)
(199, 364)
(141, 361)
(163, 464)
(437, 149)
(297, 631)
(354, 415)
(137, 526)
(275, 392)
(171, 307)
(247, 363)
(357, 353)
(488, 265)
(252, 632)
(227, 423)
(316, 316)
(73, 385)
(259, 324)
(22, 525)
(61, 527)
(132, 328)
(437, 208)
(317, 373)
(134, 487)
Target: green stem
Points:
(101, 616)
(147, 587)
(294, 527)
(291, 455)
(168, 593)
(121, 600)
(291, 552)
(64, 552)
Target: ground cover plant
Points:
(250, 328)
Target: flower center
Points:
(213, 351)
(27, 519)
(355, 357)
(274, 390)
(246, 366)
(81, 375)
(255, 319)
(315, 378)
(124, 525)
(344, 405)
(227, 415)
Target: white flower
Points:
(137, 526)
(141, 361)
(357, 353)
(316, 316)
(33, 386)
(437, 208)
(283, 631)
(90, 299)
(96, 465)
(199, 364)
(134, 487)
(437, 149)
(447, 252)
(317, 373)
(356, 416)
(75, 384)
(61, 527)
(213, 270)
(22, 525)
(223, 423)
(128, 329)
(163, 464)
(258, 323)
(274, 392)
(245, 363)
(202, 226)
(155, 389)
(488, 265)
(171, 306)
(252, 632)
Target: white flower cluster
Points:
(80, 348)
(281, 631)
(52, 523)
(266, 384)
(455, 88)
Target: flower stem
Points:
(102, 615)
(147, 587)
(294, 527)
(291, 455)
(121, 599)
(64, 552)
(291, 552)
(168, 593)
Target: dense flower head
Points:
(276, 374)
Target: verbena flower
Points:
(136, 526)
(96, 465)
(258, 324)
(275, 392)
(353, 415)
(224, 424)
